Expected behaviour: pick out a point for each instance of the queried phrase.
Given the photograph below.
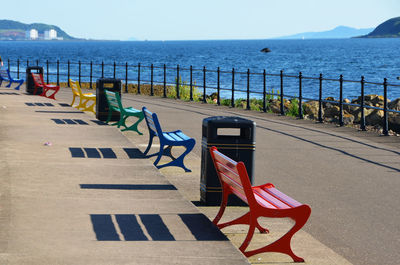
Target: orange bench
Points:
(263, 201)
(38, 80)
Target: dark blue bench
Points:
(5, 75)
(168, 140)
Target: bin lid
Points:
(108, 80)
(228, 122)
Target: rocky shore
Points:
(351, 114)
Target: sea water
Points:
(375, 59)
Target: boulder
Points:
(394, 105)
(311, 109)
(331, 111)
(275, 106)
(357, 114)
(348, 119)
(374, 118)
(394, 122)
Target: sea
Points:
(374, 59)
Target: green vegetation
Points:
(184, 91)
(293, 109)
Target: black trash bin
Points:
(110, 84)
(235, 138)
(30, 84)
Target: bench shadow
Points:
(128, 186)
(105, 227)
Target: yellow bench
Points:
(84, 98)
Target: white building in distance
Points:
(50, 34)
(32, 34)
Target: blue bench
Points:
(168, 140)
(5, 75)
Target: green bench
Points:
(115, 104)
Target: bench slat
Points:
(268, 200)
(232, 178)
(168, 137)
(4, 74)
(283, 197)
(183, 136)
(175, 136)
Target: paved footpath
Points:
(59, 209)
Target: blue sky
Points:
(199, 20)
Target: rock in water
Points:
(266, 50)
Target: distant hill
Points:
(14, 30)
(388, 29)
(340, 32)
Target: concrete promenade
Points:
(89, 196)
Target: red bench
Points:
(38, 80)
(264, 201)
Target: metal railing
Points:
(134, 74)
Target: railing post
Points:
(177, 82)
(204, 85)
(91, 73)
(8, 64)
(68, 74)
(102, 69)
(18, 68)
(282, 103)
(341, 123)
(47, 71)
(248, 90)
(126, 77)
(79, 72)
(115, 69)
(191, 83)
(27, 63)
(138, 78)
(264, 92)
(151, 80)
(218, 87)
(37, 62)
(233, 88)
(300, 96)
(165, 81)
(320, 99)
(58, 72)
(362, 121)
(385, 116)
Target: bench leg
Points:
(91, 107)
(109, 116)
(133, 127)
(73, 101)
(283, 245)
(178, 162)
(9, 85)
(151, 136)
(52, 96)
(20, 83)
(222, 207)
